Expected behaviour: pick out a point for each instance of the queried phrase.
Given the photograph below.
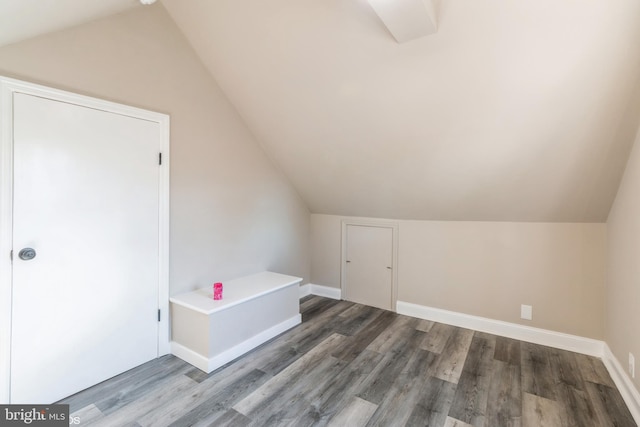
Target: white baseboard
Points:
(322, 291)
(210, 364)
(559, 340)
(305, 290)
(326, 291)
(626, 387)
(189, 356)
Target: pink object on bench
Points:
(217, 291)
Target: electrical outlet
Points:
(526, 312)
(632, 365)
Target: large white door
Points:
(369, 263)
(86, 200)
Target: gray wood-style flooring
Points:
(353, 365)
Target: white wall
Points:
(623, 272)
(489, 268)
(232, 212)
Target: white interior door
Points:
(86, 198)
(369, 263)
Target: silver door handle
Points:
(27, 254)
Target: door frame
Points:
(394, 267)
(8, 87)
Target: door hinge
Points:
(159, 158)
(11, 254)
(158, 315)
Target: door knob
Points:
(27, 253)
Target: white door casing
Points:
(369, 261)
(34, 222)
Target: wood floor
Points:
(353, 365)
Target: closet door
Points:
(86, 247)
(369, 262)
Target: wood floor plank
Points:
(358, 321)
(285, 414)
(287, 404)
(365, 363)
(332, 395)
(87, 415)
(504, 407)
(288, 376)
(507, 350)
(306, 298)
(155, 398)
(408, 321)
(351, 311)
(424, 325)
(540, 412)
(331, 312)
(608, 406)
(433, 403)
(281, 408)
(309, 339)
(390, 337)
(392, 332)
(230, 418)
(565, 368)
(437, 337)
(141, 378)
(257, 358)
(330, 400)
(578, 411)
(199, 375)
(137, 391)
(318, 308)
(278, 360)
(338, 308)
(310, 301)
(470, 401)
(452, 422)
(309, 418)
(206, 401)
(404, 394)
(537, 375)
(451, 360)
(593, 370)
(356, 413)
(356, 345)
(382, 378)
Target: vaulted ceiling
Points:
(23, 19)
(511, 111)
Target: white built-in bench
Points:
(208, 333)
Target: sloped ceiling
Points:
(23, 19)
(512, 111)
